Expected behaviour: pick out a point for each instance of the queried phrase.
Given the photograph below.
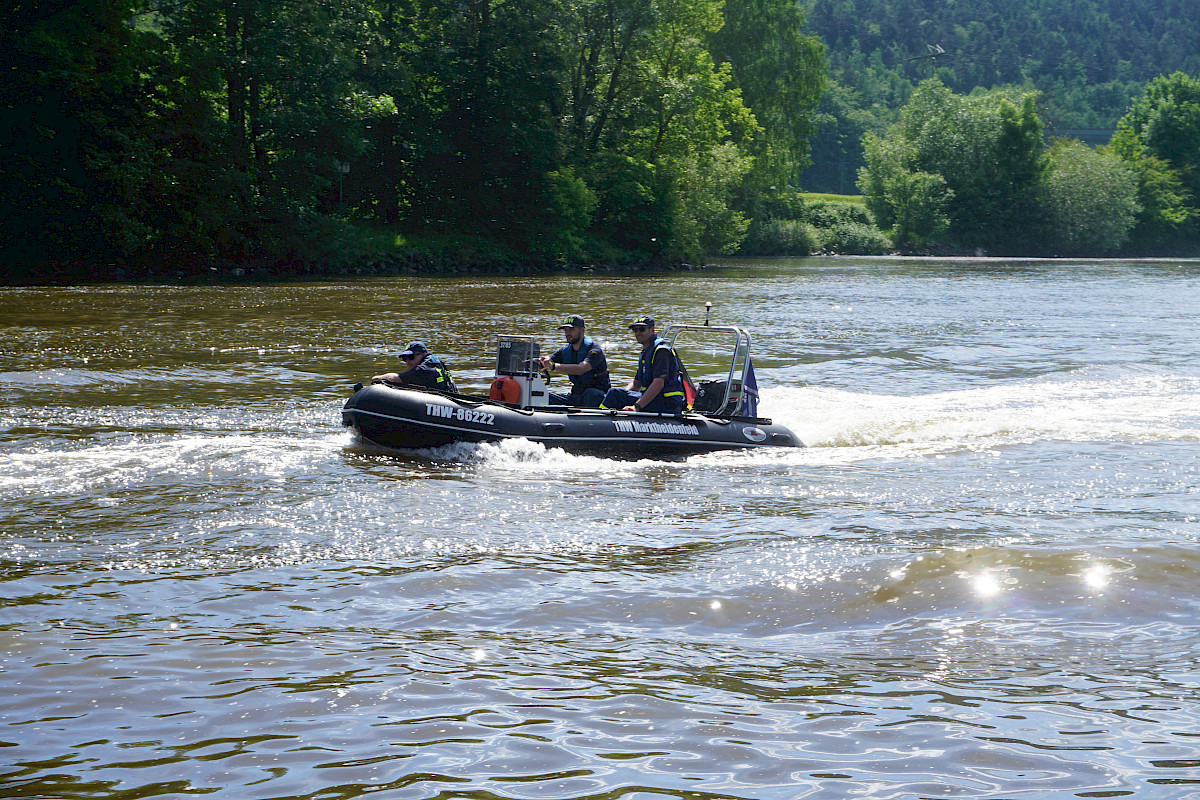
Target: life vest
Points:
(431, 373)
(672, 390)
(593, 378)
(444, 381)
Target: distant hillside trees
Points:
(1086, 58)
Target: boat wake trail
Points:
(1077, 408)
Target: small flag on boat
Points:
(749, 404)
(689, 388)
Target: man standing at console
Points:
(583, 361)
(657, 372)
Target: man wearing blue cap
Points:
(422, 369)
(583, 361)
(657, 371)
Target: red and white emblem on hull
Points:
(755, 434)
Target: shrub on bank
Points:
(854, 239)
(780, 237)
(832, 213)
(846, 228)
(823, 225)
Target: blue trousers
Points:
(619, 398)
(588, 398)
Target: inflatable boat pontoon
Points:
(392, 417)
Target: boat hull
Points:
(403, 419)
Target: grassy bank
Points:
(814, 197)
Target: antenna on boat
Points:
(707, 308)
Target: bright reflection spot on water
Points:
(1096, 576)
(479, 654)
(986, 584)
(714, 605)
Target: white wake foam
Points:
(1077, 408)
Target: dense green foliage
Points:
(1086, 59)
(301, 135)
(1090, 199)
(794, 225)
(274, 131)
(1160, 139)
(974, 171)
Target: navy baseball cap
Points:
(647, 321)
(574, 321)
(414, 348)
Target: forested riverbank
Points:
(286, 134)
(214, 139)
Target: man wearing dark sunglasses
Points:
(657, 371)
(421, 369)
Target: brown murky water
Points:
(980, 580)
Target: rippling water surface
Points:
(980, 580)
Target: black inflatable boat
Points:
(400, 418)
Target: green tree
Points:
(1019, 168)
(988, 151)
(647, 107)
(837, 143)
(222, 129)
(495, 71)
(1166, 119)
(402, 61)
(780, 70)
(75, 150)
(571, 207)
(1091, 199)
(631, 203)
(1160, 138)
(602, 42)
(1167, 216)
(911, 203)
(706, 223)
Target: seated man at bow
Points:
(422, 369)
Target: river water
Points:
(980, 580)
